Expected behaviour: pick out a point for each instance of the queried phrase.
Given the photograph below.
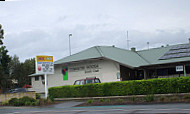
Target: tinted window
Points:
(97, 80)
(82, 82)
(77, 83)
(36, 78)
(42, 77)
(89, 81)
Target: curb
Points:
(116, 97)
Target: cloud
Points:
(42, 27)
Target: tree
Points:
(20, 71)
(1, 35)
(5, 80)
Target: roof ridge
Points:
(99, 50)
(142, 57)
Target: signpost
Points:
(180, 69)
(44, 65)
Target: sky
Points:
(42, 27)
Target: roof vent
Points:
(113, 45)
(133, 49)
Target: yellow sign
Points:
(44, 58)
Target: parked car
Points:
(87, 81)
(17, 90)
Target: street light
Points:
(70, 44)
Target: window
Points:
(36, 78)
(42, 77)
(118, 75)
(82, 82)
(97, 80)
(77, 83)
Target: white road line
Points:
(106, 110)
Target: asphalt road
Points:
(67, 108)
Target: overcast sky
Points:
(42, 27)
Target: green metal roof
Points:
(153, 55)
(108, 52)
(126, 57)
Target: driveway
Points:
(68, 108)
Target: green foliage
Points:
(24, 101)
(90, 101)
(107, 100)
(134, 99)
(186, 97)
(13, 101)
(137, 87)
(20, 71)
(120, 100)
(174, 98)
(101, 100)
(149, 98)
(163, 98)
(5, 80)
(38, 96)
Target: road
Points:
(68, 108)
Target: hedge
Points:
(135, 87)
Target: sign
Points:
(179, 68)
(90, 68)
(44, 65)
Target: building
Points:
(109, 64)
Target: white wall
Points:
(105, 70)
(37, 85)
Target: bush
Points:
(135, 87)
(13, 101)
(163, 99)
(24, 101)
(149, 98)
(186, 97)
(90, 101)
(134, 99)
(38, 96)
(107, 100)
(101, 100)
(120, 100)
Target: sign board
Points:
(179, 68)
(44, 65)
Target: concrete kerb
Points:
(119, 97)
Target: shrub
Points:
(101, 100)
(134, 99)
(186, 97)
(163, 99)
(135, 87)
(13, 101)
(174, 98)
(120, 100)
(25, 99)
(38, 96)
(90, 101)
(107, 100)
(149, 98)
(22, 101)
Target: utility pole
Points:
(148, 45)
(70, 44)
(127, 41)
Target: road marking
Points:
(106, 110)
